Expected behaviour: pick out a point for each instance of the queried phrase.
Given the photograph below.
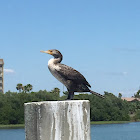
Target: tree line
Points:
(111, 108)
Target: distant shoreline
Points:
(9, 126)
(92, 123)
(109, 122)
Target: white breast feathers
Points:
(54, 68)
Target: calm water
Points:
(130, 131)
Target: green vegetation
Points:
(12, 126)
(109, 122)
(26, 88)
(112, 109)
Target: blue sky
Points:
(101, 39)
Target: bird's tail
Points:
(97, 94)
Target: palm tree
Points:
(29, 87)
(19, 87)
(56, 90)
(25, 89)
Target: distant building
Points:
(1, 76)
(130, 99)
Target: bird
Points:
(68, 76)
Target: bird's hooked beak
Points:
(48, 52)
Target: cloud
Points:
(9, 71)
(117, 73)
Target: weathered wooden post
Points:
(57, 120)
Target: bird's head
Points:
(53, 52)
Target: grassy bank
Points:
(12, 126)
(109, 122)
(96, 122)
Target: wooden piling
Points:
(57, 120)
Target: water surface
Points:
(129, 131)
(12, 134)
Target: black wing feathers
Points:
(72, 74)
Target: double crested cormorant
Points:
(71, 78)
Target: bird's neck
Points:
(55, 60)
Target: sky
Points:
(99, 38)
